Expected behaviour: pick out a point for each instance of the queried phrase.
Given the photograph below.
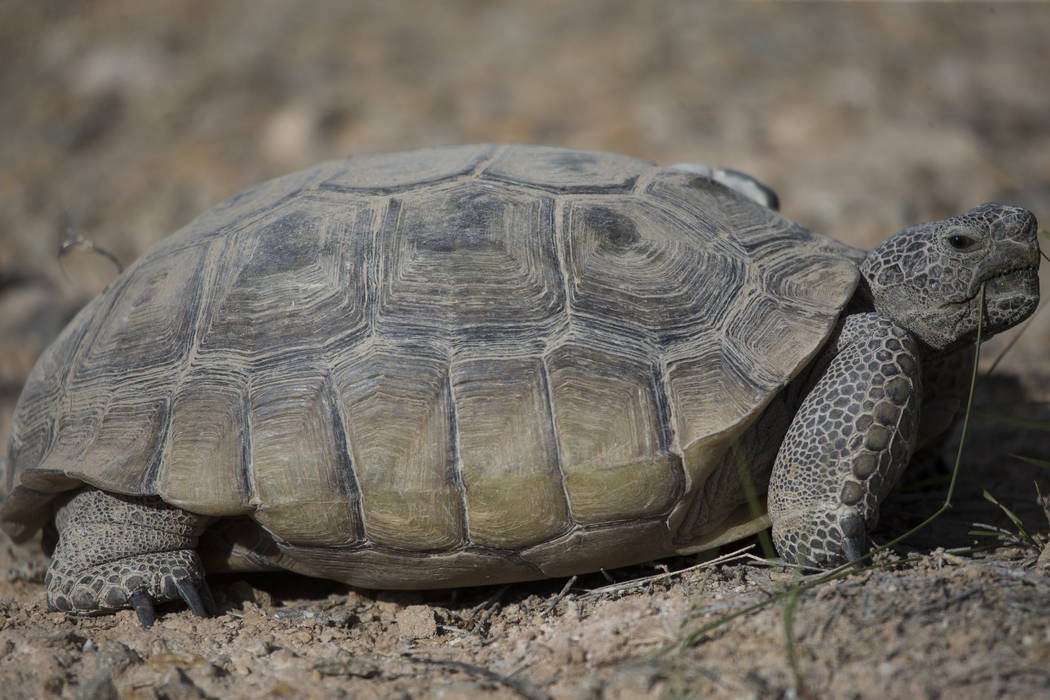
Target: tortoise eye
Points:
(959, 241)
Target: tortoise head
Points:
(928, 277)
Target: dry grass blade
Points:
(558, 598)
(742, 553)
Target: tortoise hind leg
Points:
(118, 551)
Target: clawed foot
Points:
(119, 551)
(138, 582)
(826, 544)
(197, 597)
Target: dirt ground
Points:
(121, 121)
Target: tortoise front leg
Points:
(118, 551)
(847, 445)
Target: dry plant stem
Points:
(1043, 501)
(558, 598)
(1045, 464)
(635, 583)
(962, 437)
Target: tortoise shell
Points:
(489, 362)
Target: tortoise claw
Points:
(206, 597)
(198, 600)
(143, 607)
(854, 548)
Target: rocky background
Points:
(122, 120)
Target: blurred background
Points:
(121, 120)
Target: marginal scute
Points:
(711, 393)
(122, 448)
(33, 428)
(586, 549)
(764, 334)
(802, 268)
(394, 569)
(117, 374)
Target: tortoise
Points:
(483, 364)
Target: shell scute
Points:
(118, 376)
(303, 484)
(797, 266)
(630, 268)
(399, 427)
(205, 467)
(151, 321)
(454, 262)
(614, 450)
(385, 173)
(297, 280)
(508, 453)
(565, 171)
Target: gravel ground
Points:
(124, 120)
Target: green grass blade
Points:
(1033, 461)
(1021, 532)
(1015, 421)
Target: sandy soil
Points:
(122, 120)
